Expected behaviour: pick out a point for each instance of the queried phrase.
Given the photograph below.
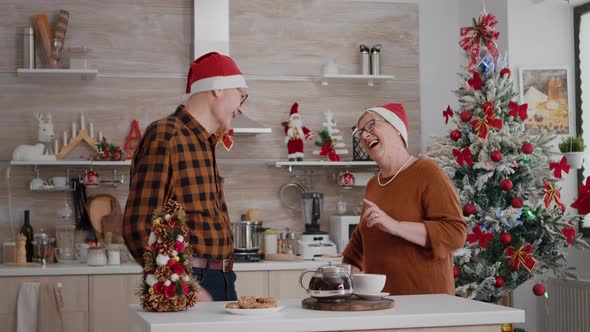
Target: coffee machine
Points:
(313, 242)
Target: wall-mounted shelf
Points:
(69, 163)
(306, 163)
(370, 79)
(244, 126)
(84, 74)
(54, 189)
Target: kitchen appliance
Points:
(329, 283)
(248, 236)
(341, 228)
(313, 242)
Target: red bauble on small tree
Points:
(469, 209)
(496, 156)
(539, 289)
(455, 135)
(505, 238)
(505, 71)
(527, 148)
(499, 282)
(466, 116)
(506, 185)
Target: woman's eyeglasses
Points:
(244, 97)
(369, 127)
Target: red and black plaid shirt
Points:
(175, 159)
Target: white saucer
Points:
(376, 296)
(264, 311)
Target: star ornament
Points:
(448, 113)
(561, 166)
(518, 110)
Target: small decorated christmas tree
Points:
(167, 283)
(506, 180)
(331, 144)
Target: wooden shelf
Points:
(370, 79)
(83, 74)
(309, 163)
(69, 163)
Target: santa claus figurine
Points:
(296, 133)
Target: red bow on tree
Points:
(482, 125)
(480, 237)
(463, 156)
(328, 150)
(522, 256)
(582, 203)
(226, 139)
(569, 233)
(518, 110)
(552, 194)
(476, 82)
(559, 167)
(448, 113)
(482, 31)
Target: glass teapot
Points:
(329, 283)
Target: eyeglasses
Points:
(244, 96)
(369, 127)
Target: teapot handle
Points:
(301, 279)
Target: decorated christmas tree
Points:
(330, 140)
(507, 180)
(167, 283)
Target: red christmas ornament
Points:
(506, 185)
(499, 282)
(539, 289)
(527, 148)
(505, 71)
(505, 238)
(466, 116)
(469, 209)
(517, 202)
(455, 135)
(496, 156)
(456, 271)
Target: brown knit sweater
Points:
(421, 193)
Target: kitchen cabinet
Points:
(281, 284)
(285, 285)
(109, 296)
(254, 283)
(75, 296)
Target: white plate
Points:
(376, 296)
(263, 311)
(327, 259)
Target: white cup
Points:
(59, 181)
(365, 283)
(114, 257)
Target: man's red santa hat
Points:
(214, 71)
(395, 114)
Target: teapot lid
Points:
(333, 268)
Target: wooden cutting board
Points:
(350, 304)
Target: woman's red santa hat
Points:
(214, 71)
(395, 115)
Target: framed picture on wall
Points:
(546, 91)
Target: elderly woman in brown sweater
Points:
(411, 221)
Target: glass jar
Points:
(41, 248)
(97, 256)
(9, 252)
(287, 243)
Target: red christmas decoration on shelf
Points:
(133, 136)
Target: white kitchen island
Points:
(436, 313)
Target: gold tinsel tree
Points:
(167, 283)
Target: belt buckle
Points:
(225, 262)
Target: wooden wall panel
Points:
(268, 38)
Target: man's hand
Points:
(204, 296)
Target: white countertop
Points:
(67, 269)
(415, 311)
(83, 269)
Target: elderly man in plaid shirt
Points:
(176, 160)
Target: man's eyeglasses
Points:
(369, 127)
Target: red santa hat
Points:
(294, 111)
(214, 71)
(395, 114)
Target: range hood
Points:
(244, 126)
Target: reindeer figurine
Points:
(42, 150)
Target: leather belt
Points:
(224, 265)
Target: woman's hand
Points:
(377, 217)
